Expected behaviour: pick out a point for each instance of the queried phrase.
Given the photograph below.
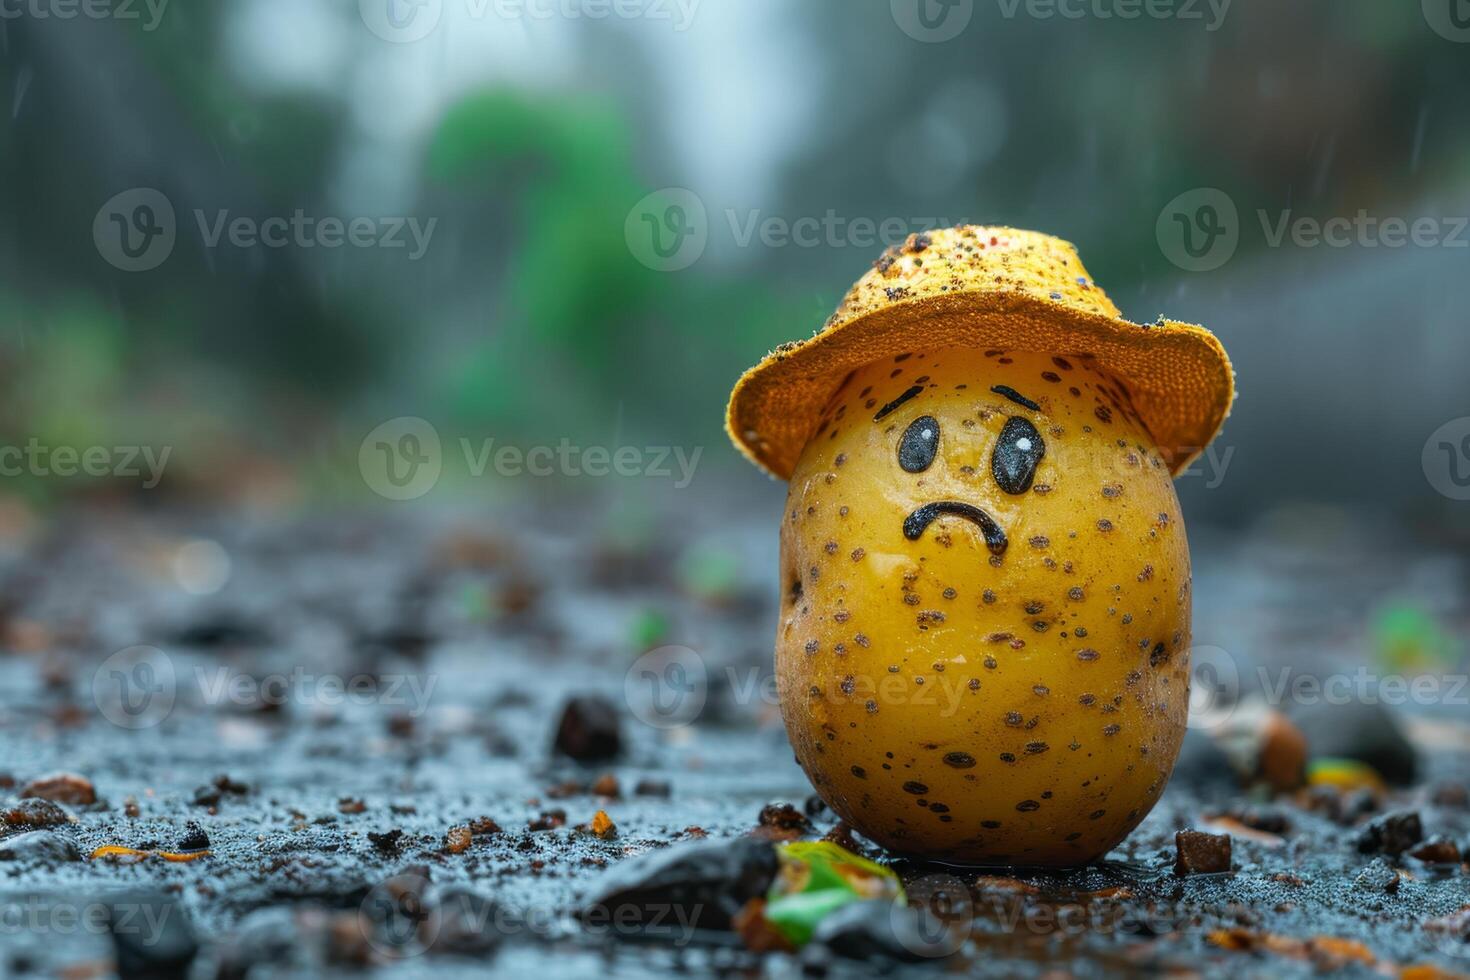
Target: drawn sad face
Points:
(983, 644)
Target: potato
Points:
(983, 647)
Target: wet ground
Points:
(356, 717)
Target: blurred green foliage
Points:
(529, 320)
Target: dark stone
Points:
(701, 884)
(652, 787)
(1365, 732)
(1199, 853)
(222, 786)
(61, 787)
(194, 839)
(39, 845)
(151, 937)
(221, 629)
(1263, 818)
(34, 813)
(1392, 834)
(784, 816)
(389, 842)
(588, 731)
(1378, 877)
(1437, 850)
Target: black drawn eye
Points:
(919, 444)
(1016, 455)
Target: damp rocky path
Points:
(361, 727)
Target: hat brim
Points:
(1179, 374)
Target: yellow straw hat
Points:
(994, 288)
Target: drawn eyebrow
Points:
(1016, 397)
(897, 402)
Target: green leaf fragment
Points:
(816, 879)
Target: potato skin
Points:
(971, 707)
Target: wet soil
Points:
(362, 723)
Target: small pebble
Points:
(1378, 877)
(194, 839)
(1391, 834)
(588, 730)
(1437, 850)
(34, 813)
(784, 816)
(457, 840)
(1197, 852)
(61, 787)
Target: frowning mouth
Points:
(916, 523)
